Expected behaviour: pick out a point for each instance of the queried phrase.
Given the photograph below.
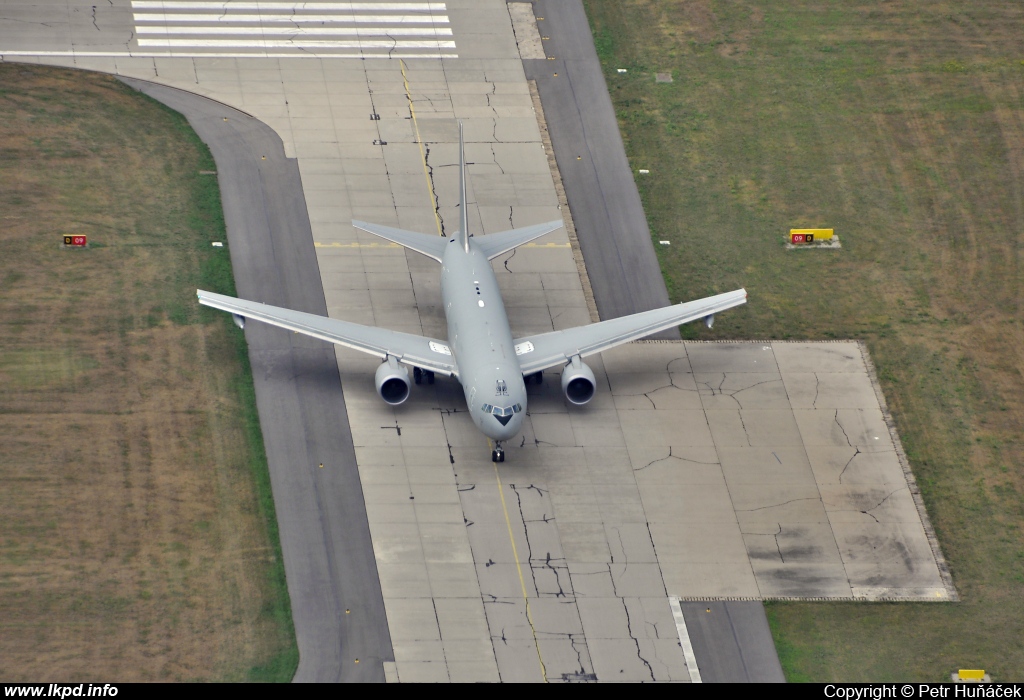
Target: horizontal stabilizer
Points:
(429, 245)
(495, 244)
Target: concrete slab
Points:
(705, 502)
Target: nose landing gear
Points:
(498, 453)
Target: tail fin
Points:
(463, 209)
(494, 244)
(431, 246)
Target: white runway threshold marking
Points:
(294, 19)
(284, 43)
(322, 29)
(221, 5)
(221, 54)
(684, 639)
(302, 31)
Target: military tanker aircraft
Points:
(492, 366)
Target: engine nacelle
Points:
(392, 382)
(578, 383)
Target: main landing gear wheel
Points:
(430, 376)
(498, 454)
(417, 375)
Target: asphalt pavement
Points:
(336, 600)
(732, 642)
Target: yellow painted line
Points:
(519, 568)
(318, 244)
(419, 142)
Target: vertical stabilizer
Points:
(463, 209)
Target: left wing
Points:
(414, 350)
(538, 352)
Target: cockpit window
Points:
(501, 410)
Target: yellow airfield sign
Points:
(810, 235)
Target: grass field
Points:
(137, 533)
(901, 125)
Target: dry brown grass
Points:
(134, 545)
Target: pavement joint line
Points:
(684, 639)
(423, 156)
(718, 452)
(519, 569)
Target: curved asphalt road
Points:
(325, 536)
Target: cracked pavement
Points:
(700, 470)
(778, 461)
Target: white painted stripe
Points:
(684, 639)
(168, 18)
(193, 54)
(297, 43)
(222, 5)
(297, 31)
(300, 31)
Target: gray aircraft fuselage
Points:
(481, 341)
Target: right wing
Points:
(431, 246)
(414, 350)
(538, 352)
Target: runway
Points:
(728, 472)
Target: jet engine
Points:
(392, 381)
(578, 382)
